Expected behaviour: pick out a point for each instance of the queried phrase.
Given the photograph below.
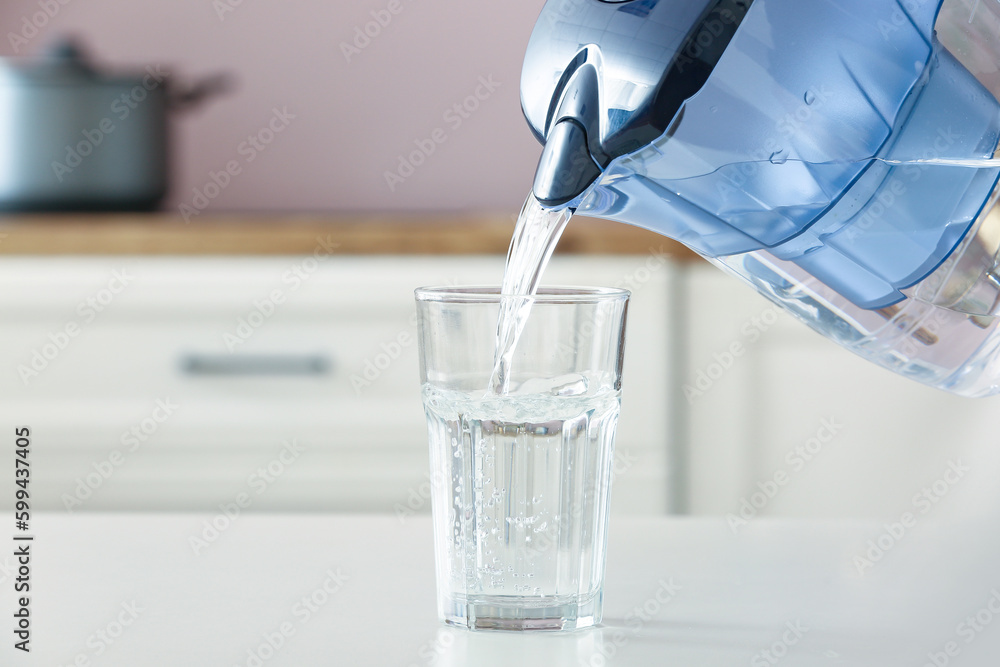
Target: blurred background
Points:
(306, 167)
(363, 83)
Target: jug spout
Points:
(566, 168)
(605, 78)
(573, 157)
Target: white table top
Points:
(736, 595)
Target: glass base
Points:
(522, 613)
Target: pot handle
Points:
(191, 95)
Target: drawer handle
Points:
(255, 364)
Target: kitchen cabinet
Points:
(181, 383)
(785, 420)
(204, 368)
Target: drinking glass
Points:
(521, 480)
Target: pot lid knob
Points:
(68, 52)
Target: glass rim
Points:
(548, 294)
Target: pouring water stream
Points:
(535, 237)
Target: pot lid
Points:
(65, 63)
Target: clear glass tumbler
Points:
(521, 481)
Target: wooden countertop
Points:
(255, 234)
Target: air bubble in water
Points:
(779, 157)
(809, 97)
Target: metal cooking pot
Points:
(76, 139)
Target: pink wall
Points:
(352, 119)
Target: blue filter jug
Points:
(837, 155)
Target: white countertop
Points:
(685, 592)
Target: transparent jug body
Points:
(841, 159)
